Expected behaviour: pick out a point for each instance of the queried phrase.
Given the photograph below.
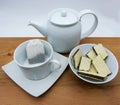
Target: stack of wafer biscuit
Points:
(93, 64)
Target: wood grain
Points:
(68, 90)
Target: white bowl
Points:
(111, 62)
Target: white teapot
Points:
(63, 28)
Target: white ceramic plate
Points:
(35, 88)
(111, 62)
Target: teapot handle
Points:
(93, 27)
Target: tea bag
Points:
(35, 51)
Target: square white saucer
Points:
(35, 88)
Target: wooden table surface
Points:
(68, 90)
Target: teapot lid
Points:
(63, 16)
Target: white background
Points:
(16, 14)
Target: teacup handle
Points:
(57, 64)
(93, 27)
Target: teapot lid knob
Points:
(63, 13)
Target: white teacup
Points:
(39, 70)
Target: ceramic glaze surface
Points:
(60, 36)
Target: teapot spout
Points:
(40, 27)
